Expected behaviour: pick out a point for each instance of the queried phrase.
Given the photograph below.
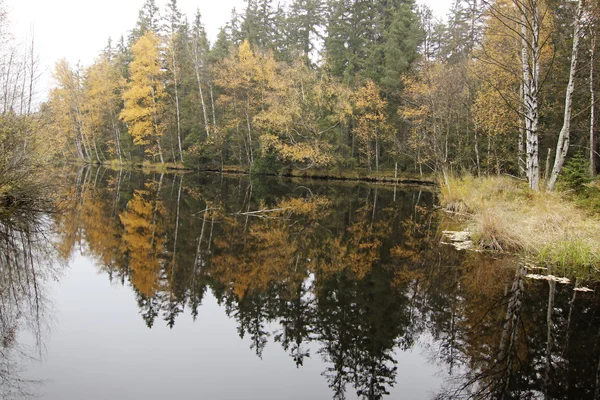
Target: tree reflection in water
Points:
(27, 261)
(353, 271)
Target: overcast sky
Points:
(79, 29)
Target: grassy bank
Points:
(502, 214)
(362, 175)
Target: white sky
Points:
(79, 29)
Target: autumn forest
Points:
(340, 85)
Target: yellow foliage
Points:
(144, 97)
(143, 239)
(371, 118)
(498, 67)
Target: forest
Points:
(499, 87)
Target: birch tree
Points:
(562, 146)
(592, 106)
(530, 60)
(198, 50)
(67, 100)
(174, 22)
(594, 11)
(530, 22)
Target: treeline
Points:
(341, 84)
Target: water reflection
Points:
(27, 261)
(354, 269)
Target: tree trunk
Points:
(117, 136)
(249, 130)
(197, 68)
(176, 99)
(212, 100)
(95, 147)
(198, 262)
(547, 171)
(549, 336)
(530, 58)
(377, 154)
(177, 221)
(477, 158)
(33, 62)
(156, 132)
(562, 147)
(521, 162)
(592, 109)
(510, 329)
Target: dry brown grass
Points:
(504, 215)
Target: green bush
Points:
(268, 164)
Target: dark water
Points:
(213, 287)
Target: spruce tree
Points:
(304, 25)
(148, 20)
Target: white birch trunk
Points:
(249, 130)
(592, 110)
(176, 96)
(156, 128)
(521, 144)
(199, 80)
(214, 116)
(33, 68)
(562, 147)
(530, 52)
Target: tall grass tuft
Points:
(504, 215)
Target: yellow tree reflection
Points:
(143, 240)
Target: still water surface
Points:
(206, 286)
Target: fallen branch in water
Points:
(206, 210)
(455, 213)
(264, 210)
(549, 278)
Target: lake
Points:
(209, 286)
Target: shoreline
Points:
(323, 175)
